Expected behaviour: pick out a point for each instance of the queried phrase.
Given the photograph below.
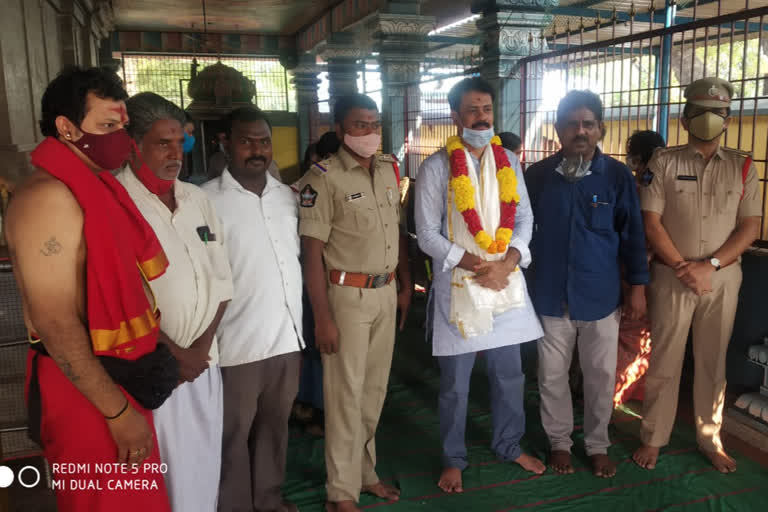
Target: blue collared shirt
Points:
(583, 232)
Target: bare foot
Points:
(646, 456)
(603, 466)
(382, 490)
(722, 462)
(531, 464)
(341, 506)
(560, 462)
(450, 480)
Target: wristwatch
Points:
(715, 263)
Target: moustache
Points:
(173, 164)
(481, 124)
(256, 159)
(580, 138)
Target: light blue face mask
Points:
(477, 138)
(189, 142)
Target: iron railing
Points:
(639, 63)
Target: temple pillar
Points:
(305, 82)
(401, 41)
(511, 30)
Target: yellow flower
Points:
(463, 193)
(453, 143)
(496, 140)
(507, 185)
(483, 239)
(504, 235)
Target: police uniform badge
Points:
(308, 196)
(646, 178)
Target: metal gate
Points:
(640, 62)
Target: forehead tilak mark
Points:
(123, 113)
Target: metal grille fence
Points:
(427, 114)
(640, 63)
(168, 76)
(13, 354)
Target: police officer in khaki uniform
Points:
(352, 247)
(702, 210)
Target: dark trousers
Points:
(257, 404)
(506, 380)
(311, 380)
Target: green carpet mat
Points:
(408, 448)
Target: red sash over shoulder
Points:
(120, 247)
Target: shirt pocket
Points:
(690, 187)
(359, 214)
(218, 259)
(601, 215)
(727, 199)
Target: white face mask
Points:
(364, 145)
(477, 138)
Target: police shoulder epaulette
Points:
(321, 168)
(386, 157)
(745, 154)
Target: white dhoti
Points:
(189, 429)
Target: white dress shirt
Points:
(261, 234)
(198, 278)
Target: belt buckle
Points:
(379, 281)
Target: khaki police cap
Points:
(709, 92)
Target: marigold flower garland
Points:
(464, 195)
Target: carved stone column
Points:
(305, 81)
(37, 39)
(401, 42)
(511, 30)
(342, 54)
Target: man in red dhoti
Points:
(83, 256)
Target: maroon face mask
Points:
(108, 150)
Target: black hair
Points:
(474, 83)
(346, 103)
(312, 148)
(643, 143)
(328, 144)
(688, 106)
(244, 115)
(66, 95)
(323, 148)
(510, 141)
(575, 100)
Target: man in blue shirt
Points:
(588, 225)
